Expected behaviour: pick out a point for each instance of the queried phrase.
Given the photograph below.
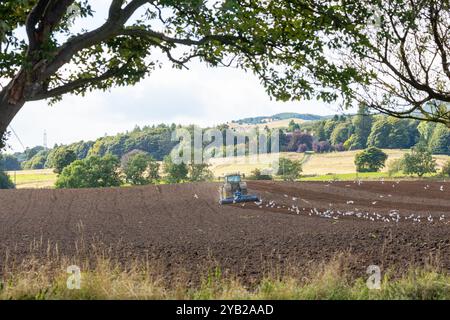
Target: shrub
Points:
(258, 175)
(300, 138)
(339, 147)
(340, 133)
(92, 172)
(200, 172)
(5, 181)
(395, 166)
(125, 159)
(9, 162)
(370, 160)
(62, 158)
(419, 161)
(175, 172)
(289, 170)
(141, 169)
(446, 169)
(36, 162)
(321, 146)
(302, 148)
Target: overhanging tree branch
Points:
(145, 33)
(77, 84)
(116, 19)
(437, 39)
(32, 20)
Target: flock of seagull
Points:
(392, 217)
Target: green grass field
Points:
(351, 176)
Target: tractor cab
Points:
(233, 178)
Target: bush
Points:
(419, 161)
(36, 162)
(31, 152)
(440, 140)
(289, 170)
(395, 166)
(300, 140)
(141, 169)
(321, 146)
(338, 147)
(127, 157)
(350, 144)
(62, 158)
(5, 181)
(258, 175)
(293, 126)
(446, 169)
(302, 148)
(200, 172)
(340, 133)
(175, 172)
(370, 160)
(9, 162)
(92, 172)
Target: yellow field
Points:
(271, 125)
(341, 162)
(316, 164)
(246, 165)
(33, 179)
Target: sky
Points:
(201, 95)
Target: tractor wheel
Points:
(243, 187)
(226, 190)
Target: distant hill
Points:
(280, 116)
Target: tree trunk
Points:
(8, 110)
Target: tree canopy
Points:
(370, 160)
(419, 161)
(62, 158)
(363, 125)
(54, 58)
(141, 169)
(175, 172)
(5, 180)
(393, 55)
(92, 172)
(288, 169)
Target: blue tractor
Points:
(234, 190)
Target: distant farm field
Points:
(271, 125)
(33, 179)
(334, 163)
(316, 167)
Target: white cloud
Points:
(201, 95)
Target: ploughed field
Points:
(391, 224)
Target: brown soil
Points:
(184, 226)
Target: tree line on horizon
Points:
(365, 130)
(338, 133)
